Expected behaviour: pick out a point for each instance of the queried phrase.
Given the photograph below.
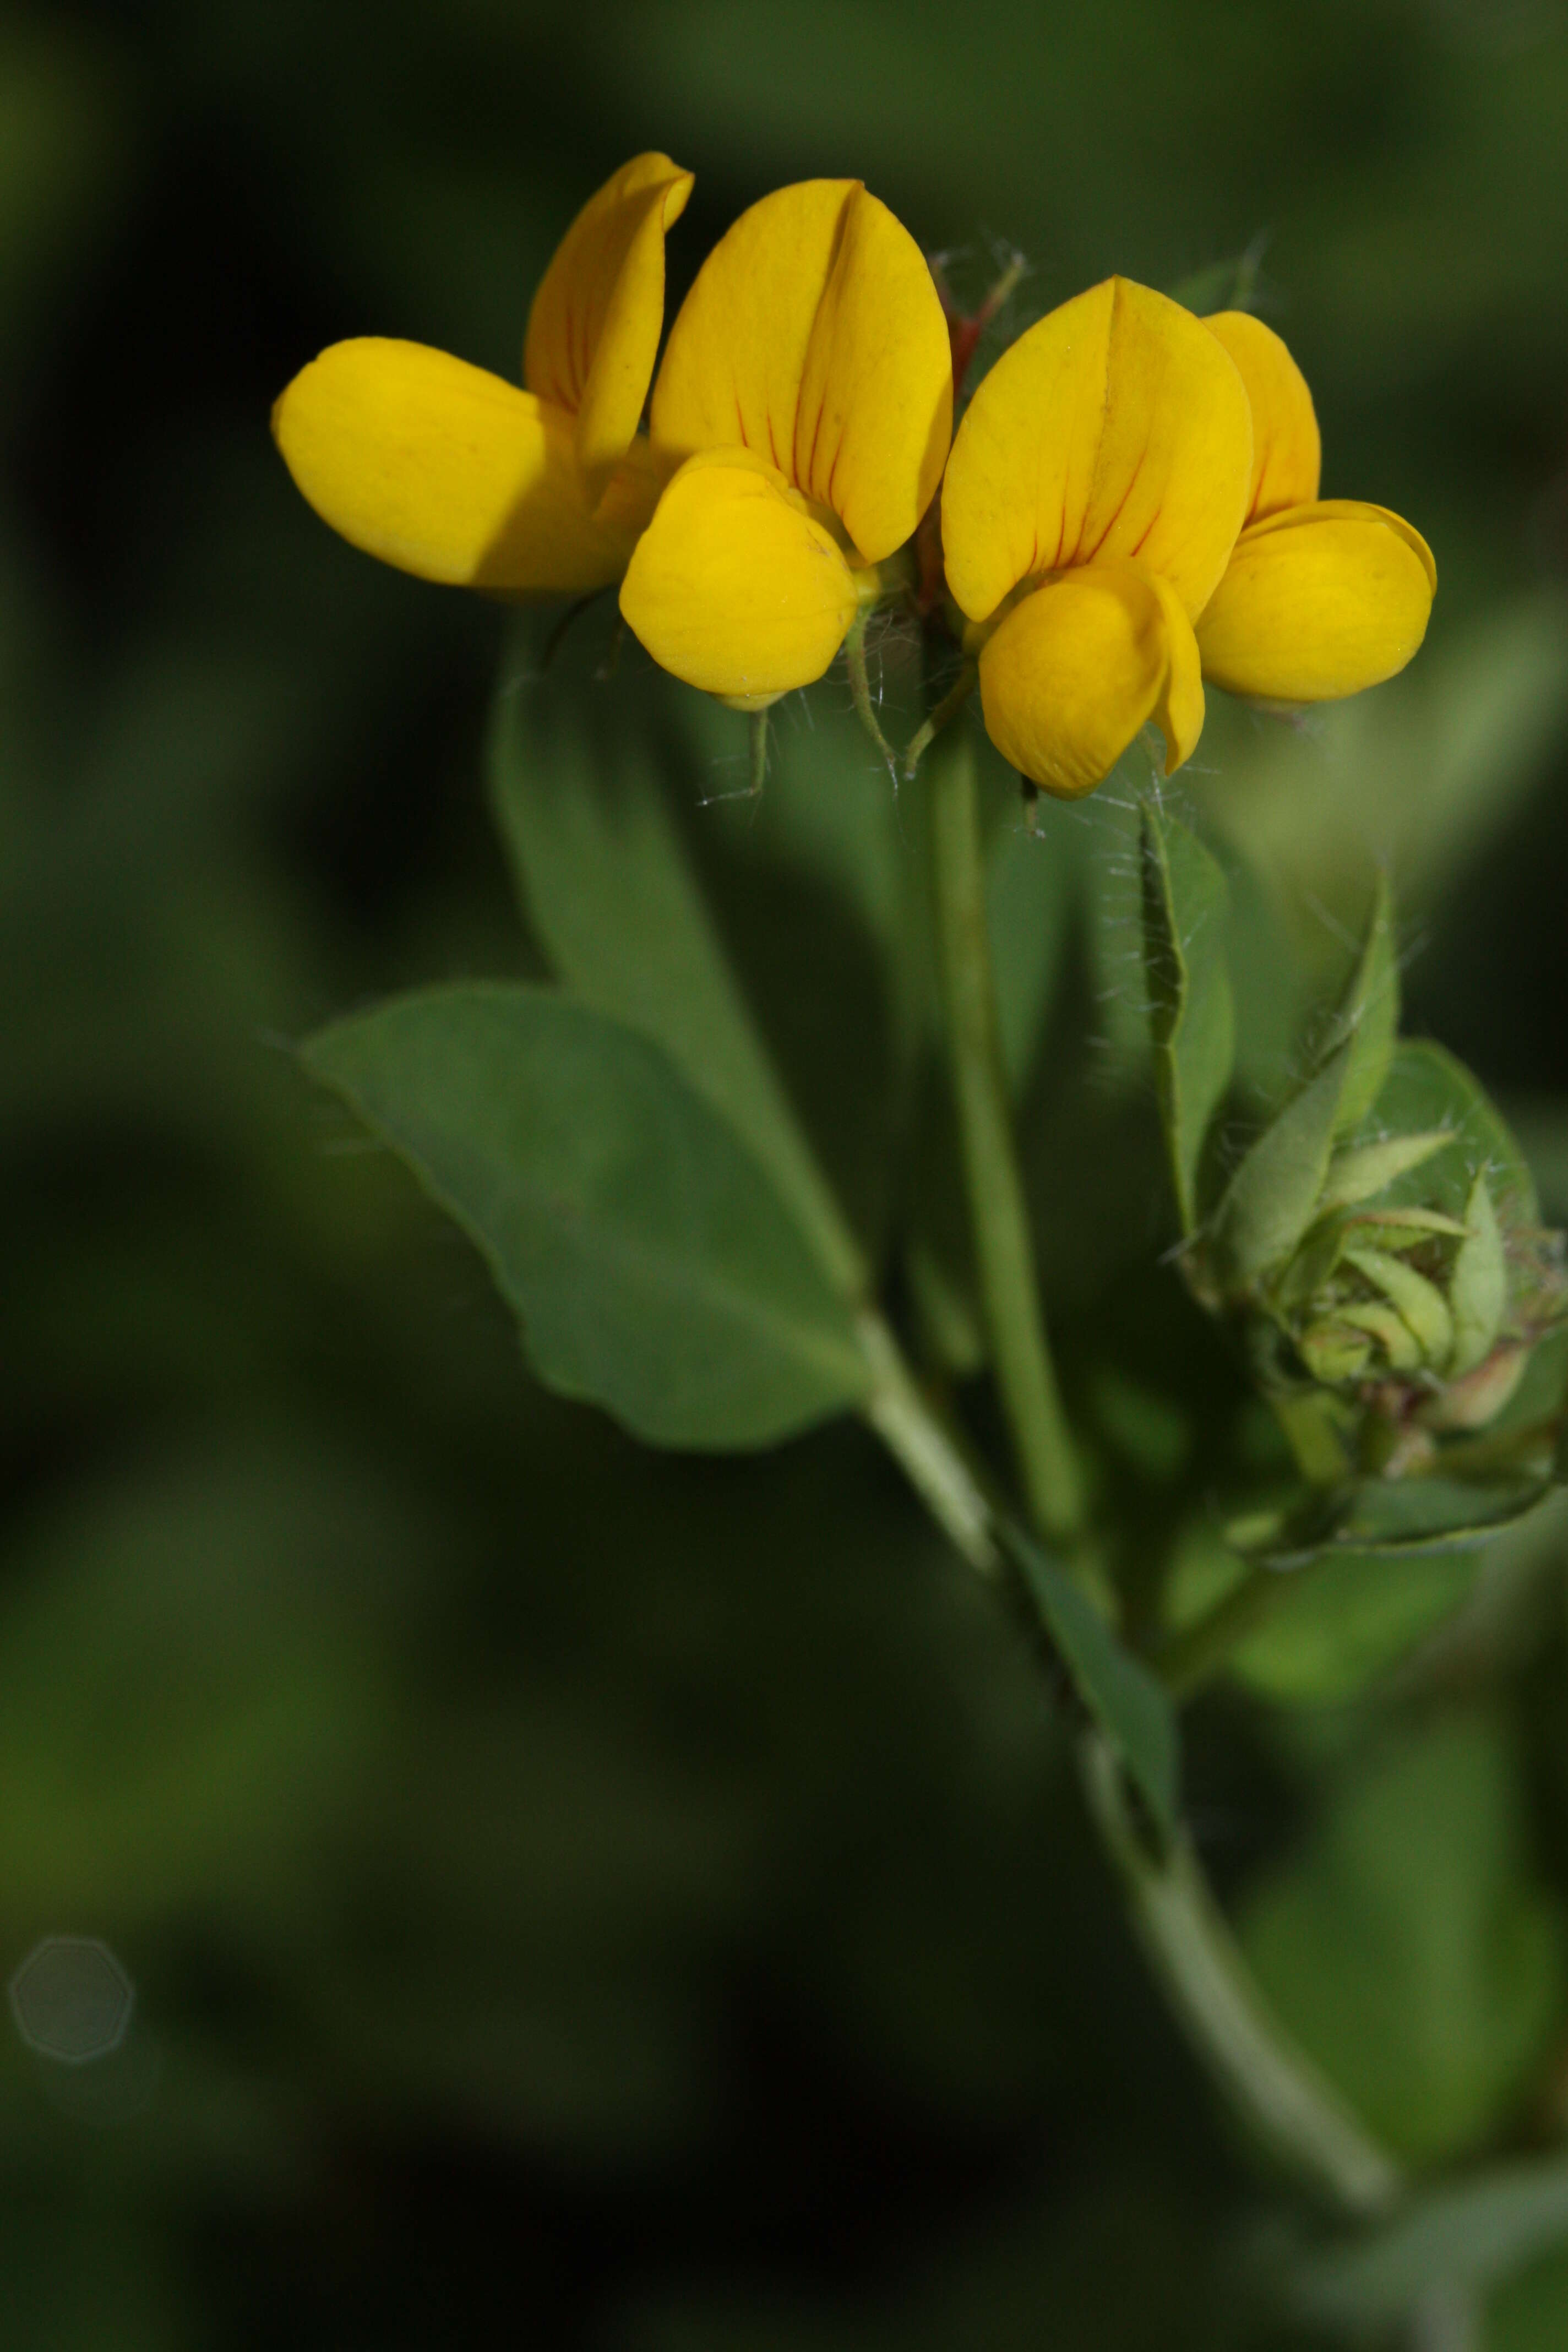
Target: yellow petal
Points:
(733, 586)
(814, 336)
(594, 330)
(1317, 602)
(449, 472)
(1079, 665)
(1178, 712)
(1287, 448)
(1118, 426)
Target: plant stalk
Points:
(1003, 1246)
(1191, 1658)
(919, 1441)
(1271, 2084)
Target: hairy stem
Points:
(1003, 1246)
(946, 711)
(860, 686)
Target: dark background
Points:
(601, 1899)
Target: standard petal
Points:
(1287, 448)
(734, 587)
(594, 330)
(1079, 666)
(1118, 426)
(814, 336)
(1317, 602)
(449, 472)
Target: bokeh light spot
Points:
(72, 1999)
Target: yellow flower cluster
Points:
(1130, 505)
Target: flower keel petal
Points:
(1079, 666)
(1317, 602)
(446, 471)
(733, 586)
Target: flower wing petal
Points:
(445, 471)
(814, 336)
(1178, 710)
(1287, 448)
(733, 586)
(594, 330)
(1117, 427)
(1079, 666)
(1319, 602)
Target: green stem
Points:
(1190, 1658)
(1003, 1246)
(760, 724)
(1271, 2082)
(1314, 1432)
(860, 686)
(930, 1457)
(942, 717)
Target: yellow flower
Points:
(1321, 596)
(457, 475)
(1095, 491)
(803, 409)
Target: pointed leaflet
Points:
(1406, 1515)
(1191, 1012)
(1278, 1188)
(1477, 1293)
(1273, 1196)
(1368, 1019)
(652, 1264)
(613, 899)
(1130, 1706)
(1359, 1174)
(1427, 1089)
(1420, 1304)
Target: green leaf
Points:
(1401, 1229)
(1474, 2235)
(653, 1265)
(1273, 1196)
(1223, 285)
(1368, 1019)
(1191, 1009)
(1358, 1175)
(614, 901)
(1477, 1292)
(1410, 1949)
(1346, 1621)
(1428, 1088)
(1033, 885)
(1407, 1514)
(1130, 1706)
(1333, 1625)
(1529, 2312)
(1421, 1305)
(1389, 1328)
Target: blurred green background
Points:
(573, 1895)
